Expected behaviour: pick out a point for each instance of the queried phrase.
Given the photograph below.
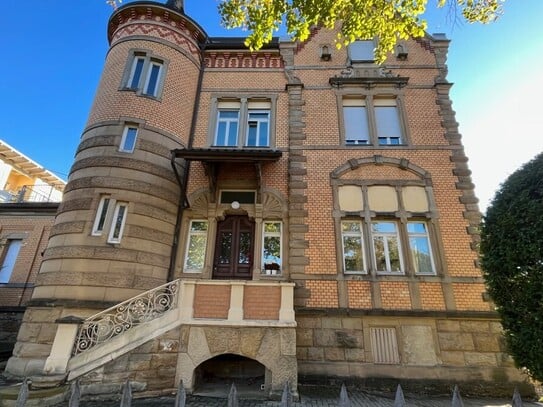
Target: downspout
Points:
(184, 181)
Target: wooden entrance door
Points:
(234, 248)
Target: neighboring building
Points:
(29, 199)
(316, 208)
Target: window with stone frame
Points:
(195, 251)
(385, 229)
(272, 245)
(372, 120)
(128, 139)
(110, 218)
(242, 123)
(144, 74)
(117, 223)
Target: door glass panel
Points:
(225, 248)
(244, 248)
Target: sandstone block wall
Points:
(433, 352)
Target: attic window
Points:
(362, 51)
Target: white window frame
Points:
(153, 63)
(244, 107)
(228, 122)
(259, 122)
(362, 246)
(425, 235)
(364, 136)
(123, 147)
(134, 83)
(191, 233)
(369, 126)
(101, 218)
(385, 236)
(140, 80)
(10, 253)
(379, 103)
(112, 237)
(273, 234)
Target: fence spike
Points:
(233, 396)
(457, 399)
(75, 395)
(344, 397)
(181, 396)
(286, 397)
(126, 399)
(23, 394)
(517, 400)
(399, 400)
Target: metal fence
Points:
(233, 398)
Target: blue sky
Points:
(53, 53)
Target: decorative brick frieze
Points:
(240, 60)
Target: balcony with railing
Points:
(32, 193)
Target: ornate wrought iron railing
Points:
(124, 316)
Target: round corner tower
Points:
(114, 231)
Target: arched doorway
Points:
(215, 376)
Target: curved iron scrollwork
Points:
(120, 318)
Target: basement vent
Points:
(384, 345)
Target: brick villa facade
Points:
(315, 211)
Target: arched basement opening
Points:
(215, 376)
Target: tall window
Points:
(387, 120)
(196, 246)
(101, 214)
(150, 86)
(373, 234)
(117, 224)
(227, 128)
(145, 74)
(136, 72)
(419, 245)
(8, 258)
(242, 124)
(128, 140)
(353, 252)
(258, 133)
(271, 247)
(386, 248)
(355, 120)
(371, 121)
(110, 214)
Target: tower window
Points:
(117, 224)
(128, 141)
(144, 74)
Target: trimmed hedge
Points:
(512, 262)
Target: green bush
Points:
(512, 262)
